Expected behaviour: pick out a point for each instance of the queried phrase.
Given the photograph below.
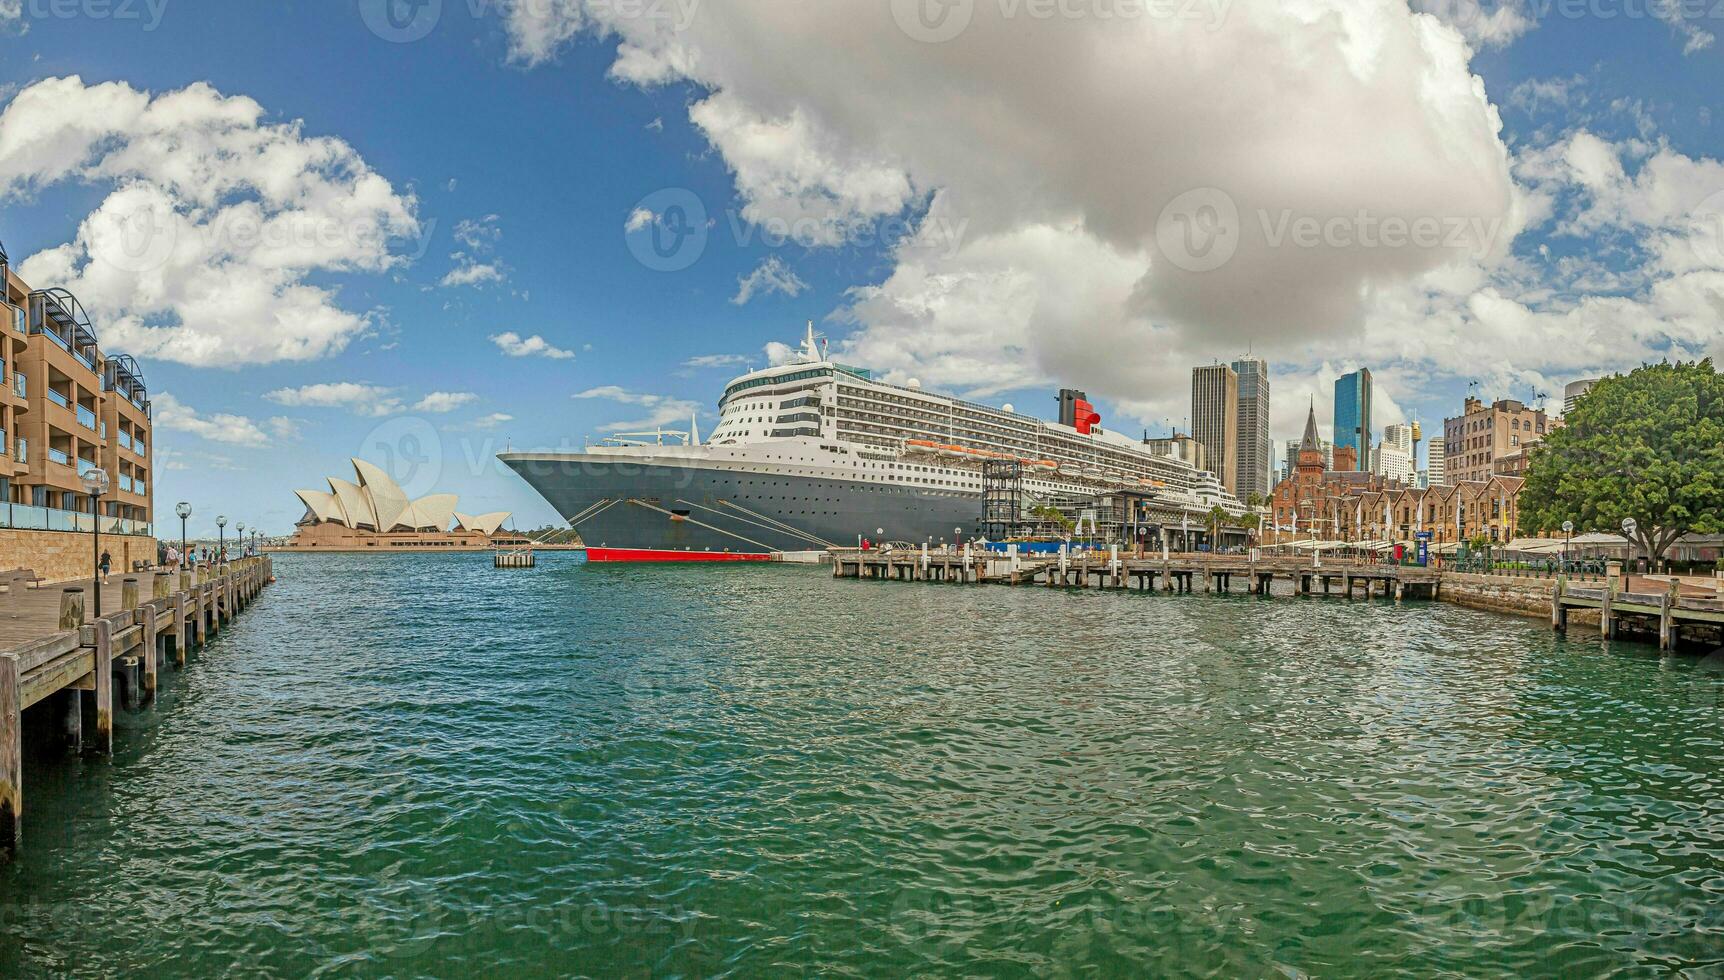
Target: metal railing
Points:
(59, 399)
(59, 456)
(25, 517)
(86, 418)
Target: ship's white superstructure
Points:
(811, 454)
(820, 412)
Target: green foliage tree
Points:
(1648, 445)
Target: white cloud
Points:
(468, 272)
(473, 265)
(662, 410)
(833, 120)
(12, 18)
(213, 222)
(514, 345)
(237, 430)
(491, 421)
(639, 218)
(445, 401)
(773, 276)
(283, 428)
(1493, 26)
(364, 399)
(707, 361)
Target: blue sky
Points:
(509, 150)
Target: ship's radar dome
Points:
(1009, 410)
(915, 383)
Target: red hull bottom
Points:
(646, 555)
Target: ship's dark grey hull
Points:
(657, 511)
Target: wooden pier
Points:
(55, 645)
(1656, 604)
(1113, 570)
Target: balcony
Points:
(59, 456)
(85, 466)
(59, 399)
(125, 439)
(21, 384)
(86, 418)
(30, 518)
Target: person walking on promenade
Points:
(106, 562)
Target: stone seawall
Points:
(62, 556)
(1506, 594)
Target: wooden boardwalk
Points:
(54, 644)
(1112, 570)
(1666, 606)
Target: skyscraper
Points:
(1254, 451)
(1394, 458)
(1353, 415)
(1438, 462)
(1215, 420)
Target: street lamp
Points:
(96, 482)
(1629, 526)
(1567, 539)
(221, 535)
(240, 527)
(184, 510)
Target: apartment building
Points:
(68, 408)
(1473, 442)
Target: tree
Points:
(1647, 446)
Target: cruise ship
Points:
(814, 454)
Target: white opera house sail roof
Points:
(376, 503)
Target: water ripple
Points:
(594, 771)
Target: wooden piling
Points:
(11, 754)
(104, 644)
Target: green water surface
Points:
(413, 766)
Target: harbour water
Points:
(424, 766)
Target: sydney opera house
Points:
(371, 513)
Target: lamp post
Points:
(96, 482)
(1629, 526)
(184, 510)
(221, 536)
(240, 527)
(1567, 539)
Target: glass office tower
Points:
(1353, 415)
